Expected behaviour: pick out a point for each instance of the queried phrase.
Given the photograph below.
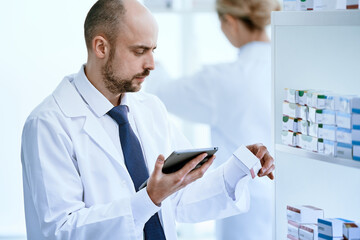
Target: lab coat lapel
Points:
(147, 138)
(72, 106)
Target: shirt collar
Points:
(96, 101)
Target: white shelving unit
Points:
(314, 50)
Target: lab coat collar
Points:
(251, 49)
(96, 101)
(73, 105)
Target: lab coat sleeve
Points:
(208, 198)
(191, 97)
(55, 187)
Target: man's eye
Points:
(141, 52)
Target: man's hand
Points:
(161, 185)
(266, 160)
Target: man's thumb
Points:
(159, 164)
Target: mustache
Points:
(145, 73)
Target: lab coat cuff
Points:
(143, 208)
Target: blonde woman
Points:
(235, 100)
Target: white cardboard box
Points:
(303, 126)
(351, 231)
(308, 232)
(348, 104)
(352, 4)
(306, 142)
(343, 120)
(291, 109)
(322, 116)
(331, 227)
(329, 147)
(356, 152)
(289, 124)
(304, 214)
(291, 95)
(289, 138)
(293, 228)
(343, 150)
(327, 132)
(303, 93)
(344, 135)
(250, 164)
(304, 112)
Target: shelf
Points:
(316, 18)
(317, 156)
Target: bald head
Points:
(107, 17)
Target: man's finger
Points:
(267, 161)
(192, 164)
(159, 165)
(198, 173)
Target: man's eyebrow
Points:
(143, 47)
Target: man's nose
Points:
(150, 63)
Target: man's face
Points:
(131, 59)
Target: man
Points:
(87, 148)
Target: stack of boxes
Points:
(308, 223)
(322, 122)
(302, 222)
(332, 228)
(319, 5)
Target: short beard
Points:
(115, 84)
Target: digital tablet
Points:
(179, 158)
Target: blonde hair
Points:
(256, 14)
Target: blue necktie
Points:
(135, 163)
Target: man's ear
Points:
(100, 47)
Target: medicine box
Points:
(289, 124)
(324, 237)
(318, 100)
(347, 120)
(331, 227)
(348, 104)
(322, 116)
(303, 126)
(291, 109)
(291, 95)
(355, 120)
(289, 138)
(356, 152)
(308, 232)
(320, 145)
(343, 120)
(303, 93)
(304, 112)
(291, 237)
(304, 214)
(343, 150)
(324, 131)
(355, 134)
(352, 4)
(293, 229)
(326, 5)
(306, 142)
(331, 100)
(329, 147)
(351, 231)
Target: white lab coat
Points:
(235, 100)
(76, 185)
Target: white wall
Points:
(41, 42)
